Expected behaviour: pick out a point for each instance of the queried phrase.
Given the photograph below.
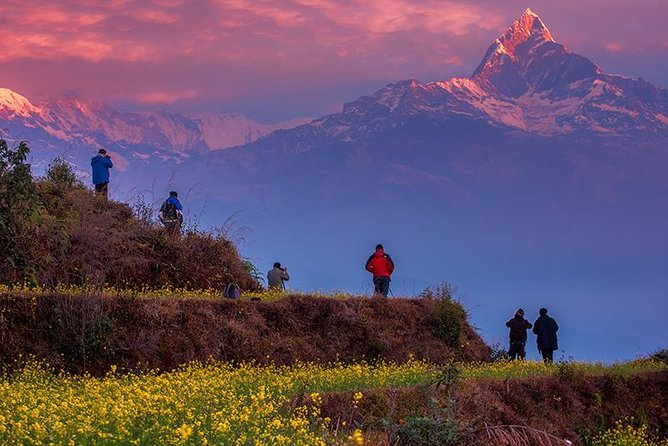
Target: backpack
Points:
(168, 211)
(232, 291)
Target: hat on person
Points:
(520, 312)
(173, 194)
(542, 311)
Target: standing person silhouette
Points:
(518, 335)
(546, 329)
(277, 276)
(171, 213)
(101, 163)
(380, 264)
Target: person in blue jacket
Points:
(101, 163)
(171, 212)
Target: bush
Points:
(661, 355)
(425, 431)
(61, 174)
(499, 353)
(449, 315)
(19, 215)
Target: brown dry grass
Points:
(534, 411)
(79, 239)
(92, 332)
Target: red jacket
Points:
(380, 264)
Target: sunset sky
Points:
(275, 60)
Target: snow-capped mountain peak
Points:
(13, 104)
(526, 59)
(517, 43)
(528, 27)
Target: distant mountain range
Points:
(526, 83)
(73, 127)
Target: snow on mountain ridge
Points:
(13, 104)
(221, 131)
(527, 28)
(80, 123)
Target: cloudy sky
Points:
(280, 59)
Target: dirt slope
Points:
(91, 333)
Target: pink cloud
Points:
(165, 97)
(322, 51)
(613, 46)
(154, 16)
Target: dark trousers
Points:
(547, 354)
(381, 285)
(517, 350)
(102, 189)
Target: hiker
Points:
(380, 264)
(277, 276)
(101, 163)
(171, 212)
(518, 335)
(545, 329)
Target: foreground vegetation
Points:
(217, 403)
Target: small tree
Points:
(19, 212)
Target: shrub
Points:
(661, 355)
(61, 174)
(499, 353)
(449, 315)
(19, 214)
(448, 376)
(426, 431)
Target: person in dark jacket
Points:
(171, 212)
(380, 264)
(101, 163)
(518, 335)
(277, 276)
(546, 329)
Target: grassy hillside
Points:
(95, 331)
(54, 231)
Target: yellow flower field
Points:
(215, 403)
(198, 404)
(267, 295)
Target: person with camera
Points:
(518, 335)
(101, 163)
(277, 276)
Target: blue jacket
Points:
(175, 201)
(101, 165)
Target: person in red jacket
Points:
(380, 264)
